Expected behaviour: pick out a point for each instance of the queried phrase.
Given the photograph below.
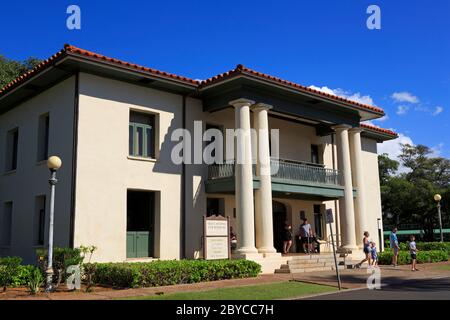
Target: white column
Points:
(358, 175)
(263, 196)
(244, 178)
(348, 235)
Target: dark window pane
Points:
(314, 153)
(140, 141)
(149, 141)
(41, 227)
(130, 141)
(46, 136)
(14, 150)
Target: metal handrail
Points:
(286, 170)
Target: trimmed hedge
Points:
(404, 257)
(163, 273)
(425, 246)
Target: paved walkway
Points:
(354, 278)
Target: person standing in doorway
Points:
(233, 240)
(394, 246)
(287, 238)
(305, 234)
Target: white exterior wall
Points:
(105, 172)
(31, 177)
(372, 188)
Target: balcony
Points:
(291, 179)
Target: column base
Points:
(265, 250)
(247, 256)
(272, 255)
(349, 247)
(246, 250)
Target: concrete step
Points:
(305, 263)
(315, 269)
(282, 271)
(312, 256)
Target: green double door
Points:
(139, 244)
(140, 224)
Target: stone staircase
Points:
(312, 263)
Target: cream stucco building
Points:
(111, 123)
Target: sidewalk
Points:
(350, 279)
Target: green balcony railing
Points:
(285, 170)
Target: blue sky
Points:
(321, 43)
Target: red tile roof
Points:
(74, 50)
(240, 69)
(374, 128)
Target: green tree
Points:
(408, 197)
(386, 167)
(11, 69)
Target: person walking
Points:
(366, 250)
(413, 252)
(374, 253)
(287, 238)
(394, 246)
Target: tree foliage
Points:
(407, 197)
(11, 69)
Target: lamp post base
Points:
(49, 285)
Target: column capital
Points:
(341, 127)
(241, 102)
(261, 106)
(356, 130)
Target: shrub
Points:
(22, 275)
(385, 258)
(9, 268)
(35, 281)
(427, 246)
(162, 273)
(62, 258)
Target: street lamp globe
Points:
(437, 197)
(54, 163)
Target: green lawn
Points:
(271, 291)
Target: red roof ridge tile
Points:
(77, 50)
(375, 128)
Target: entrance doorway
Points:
(140, 223)
(279, 219)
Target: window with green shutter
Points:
(141, 135)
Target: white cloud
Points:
(394, 149)
(402, 109)
(404, 97)
(358, 97)
(382, 119)
(436, 151)
(438, 110)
